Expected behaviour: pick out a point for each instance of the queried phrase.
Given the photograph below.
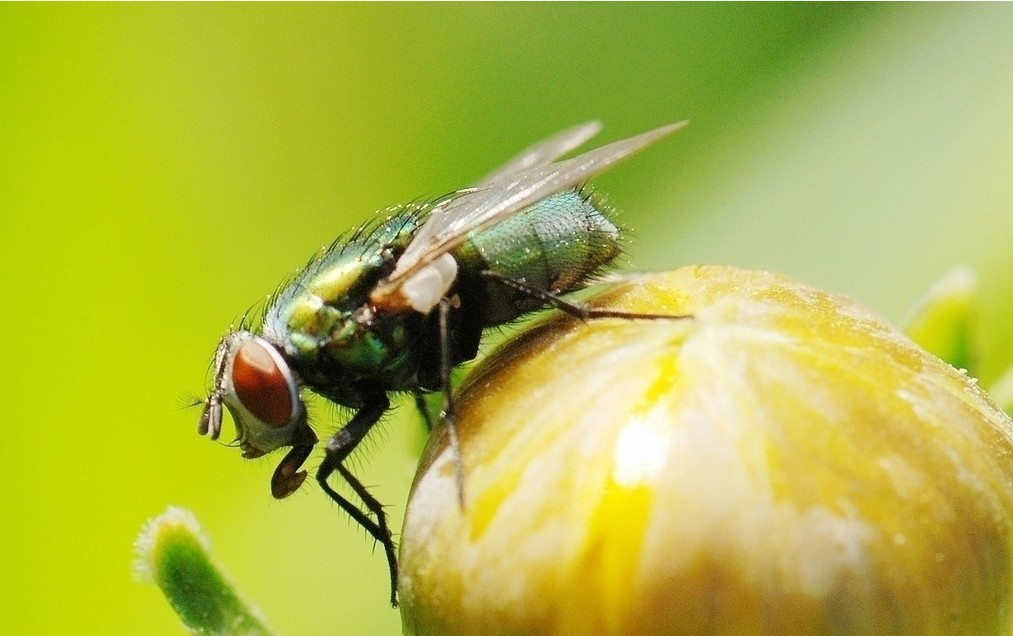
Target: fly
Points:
(396, 305)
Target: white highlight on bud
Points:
(641, 450)
(430, 284)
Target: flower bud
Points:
(782, 461)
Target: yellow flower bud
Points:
(781, 462)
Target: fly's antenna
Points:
(210, 423)
(189, 400)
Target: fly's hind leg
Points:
(337, 449)
(575, 309)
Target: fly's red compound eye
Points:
(261, 385)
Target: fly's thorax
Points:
(261, 391)
(339, 278)
(556, 246)
(360, 347)
(321, 310)
(365, 345)
(336, 340)
(318, 300)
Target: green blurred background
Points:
(162, 167)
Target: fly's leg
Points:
(447, 414)
(423, 408)
(287, 477)
(337, 449)
(575, 309)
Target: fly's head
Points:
(259, 388)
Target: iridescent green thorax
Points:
(317, 320)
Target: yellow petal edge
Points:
(782, 462)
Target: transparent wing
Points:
(472, 210)
(545, 152)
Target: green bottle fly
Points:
(396, 305)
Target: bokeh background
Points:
(162, 167)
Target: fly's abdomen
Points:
(555, 245)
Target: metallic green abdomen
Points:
(554, 246)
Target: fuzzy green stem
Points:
(174, 554)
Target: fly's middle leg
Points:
(337, 449)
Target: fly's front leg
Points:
(575, 309)
(337, 449)
(447, 415)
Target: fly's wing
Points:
(545, 152)
(473, 210)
